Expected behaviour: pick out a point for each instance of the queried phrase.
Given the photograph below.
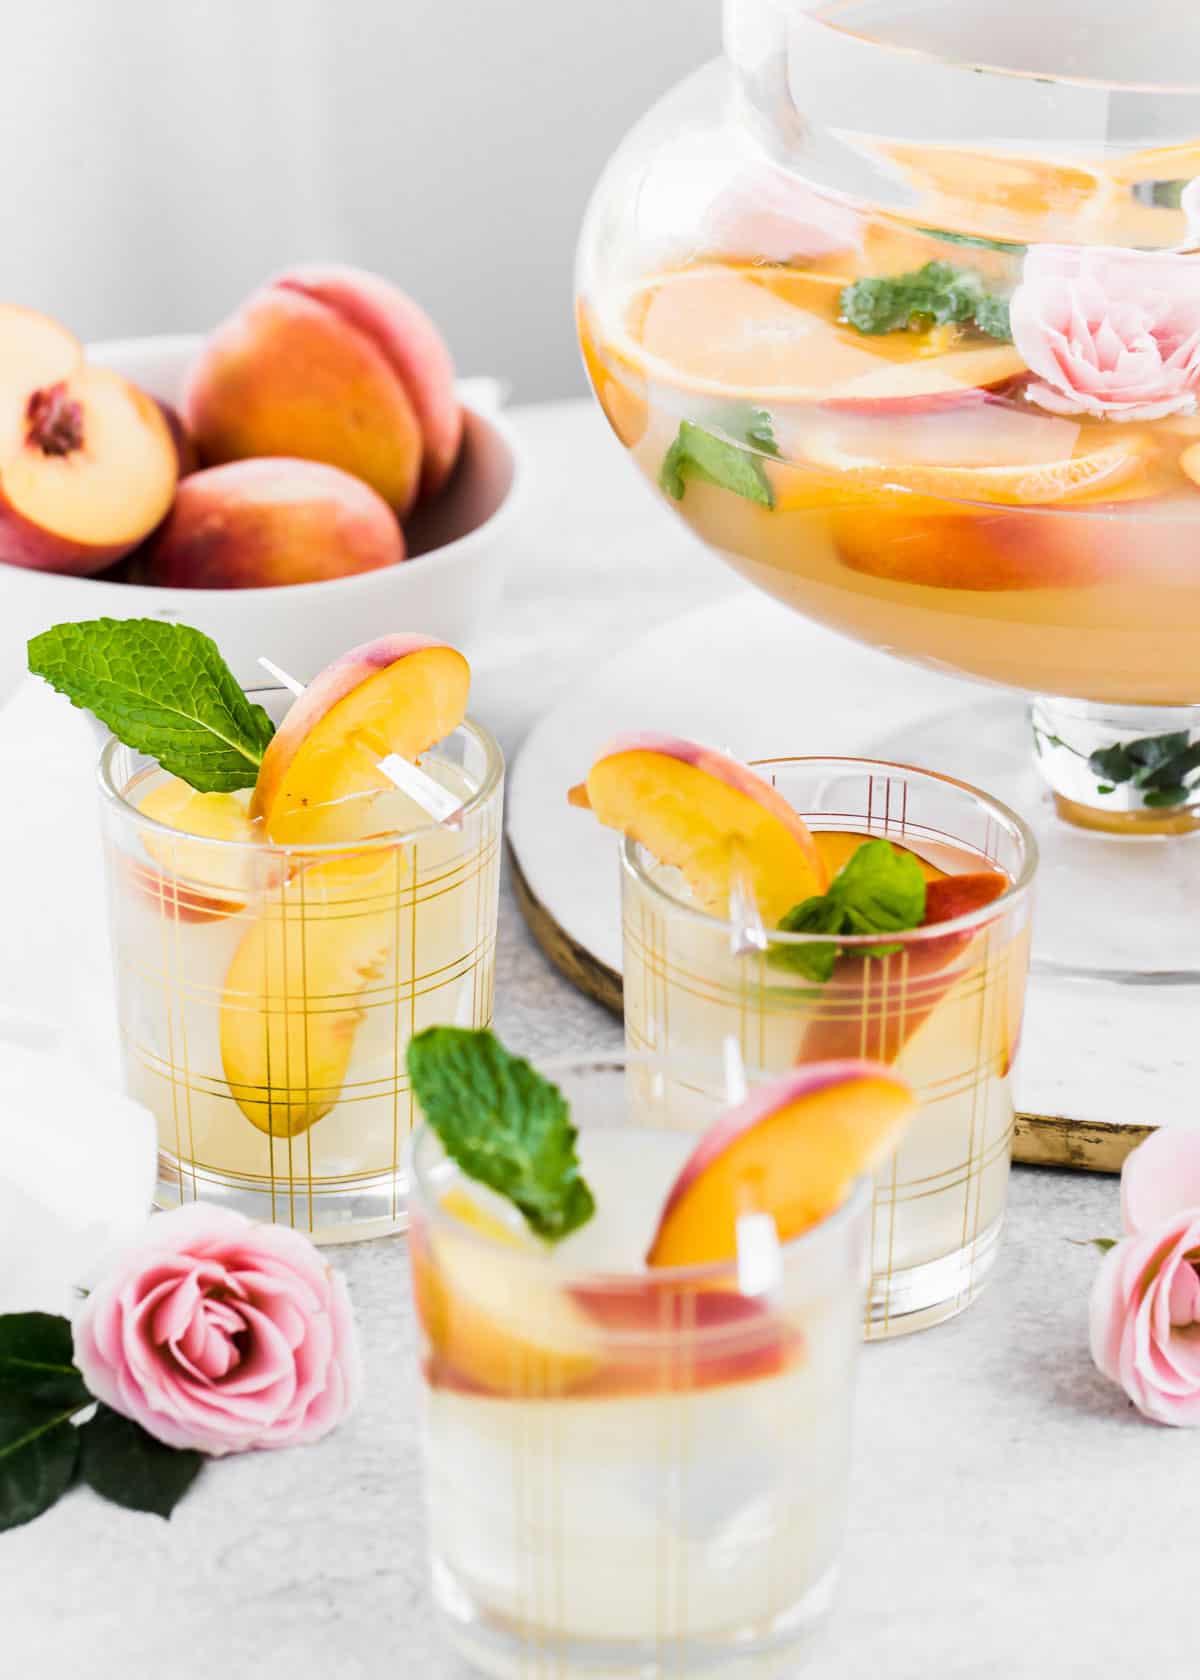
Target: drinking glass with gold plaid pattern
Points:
(943, 1005)
(266, 993)
(630, 1472)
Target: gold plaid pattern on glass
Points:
(266, 995)
(943, 1008)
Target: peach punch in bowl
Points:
(898, 307)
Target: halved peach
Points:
(792, 1149)
(293, 995)
(707, 816)
(88, 468)
(400, 694)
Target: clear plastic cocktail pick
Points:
(435, 800)
(746, 929)
(759, 1256)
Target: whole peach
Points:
(336, 365)
(271, 521)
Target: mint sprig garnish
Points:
(164, 690)
(935, 295)
(43, 1451)
(878, 890)
(729, 462)
(503, 1124)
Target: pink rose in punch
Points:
(1109, 332)
(219, 1334)
(1145, 1305)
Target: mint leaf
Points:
(37, 1360)
(38, 1450)
(164, 690)
(121, 1462)
(697, 453)
(503, 1124)
(1157, 766)
(878, 890)
(936, 295)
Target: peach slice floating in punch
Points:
(296, 990)
(400, 695)
(196, 881)
(707, 816)
(791, 1150)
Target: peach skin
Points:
(286, 376)
(709, 817)
(272, 521)
(792, 1149)
(413, 347)
(399, 694)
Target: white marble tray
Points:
(1099, 1063)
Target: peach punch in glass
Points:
(639, 1328)
(810, 908)
(285, 918)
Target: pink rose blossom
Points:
(220, 1334)
(1109, 332)
(1145, 1306)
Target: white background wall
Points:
(162, 156)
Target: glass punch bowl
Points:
(898, 306)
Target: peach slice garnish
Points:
(198, 882)
(792, 1149)
(707, 816)
(293, 997)
(400, 694)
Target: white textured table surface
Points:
(1010, 1516)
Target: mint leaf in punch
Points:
(939, 294)
(697, 453)
(121, 1462)
(503, 1123)
(164, 690)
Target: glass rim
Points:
(493, 774)
(828, 15)
(423, 1193)
(1016, 891)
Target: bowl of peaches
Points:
(309, 470)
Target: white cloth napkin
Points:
(77, 1169)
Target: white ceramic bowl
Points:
(459, 546)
